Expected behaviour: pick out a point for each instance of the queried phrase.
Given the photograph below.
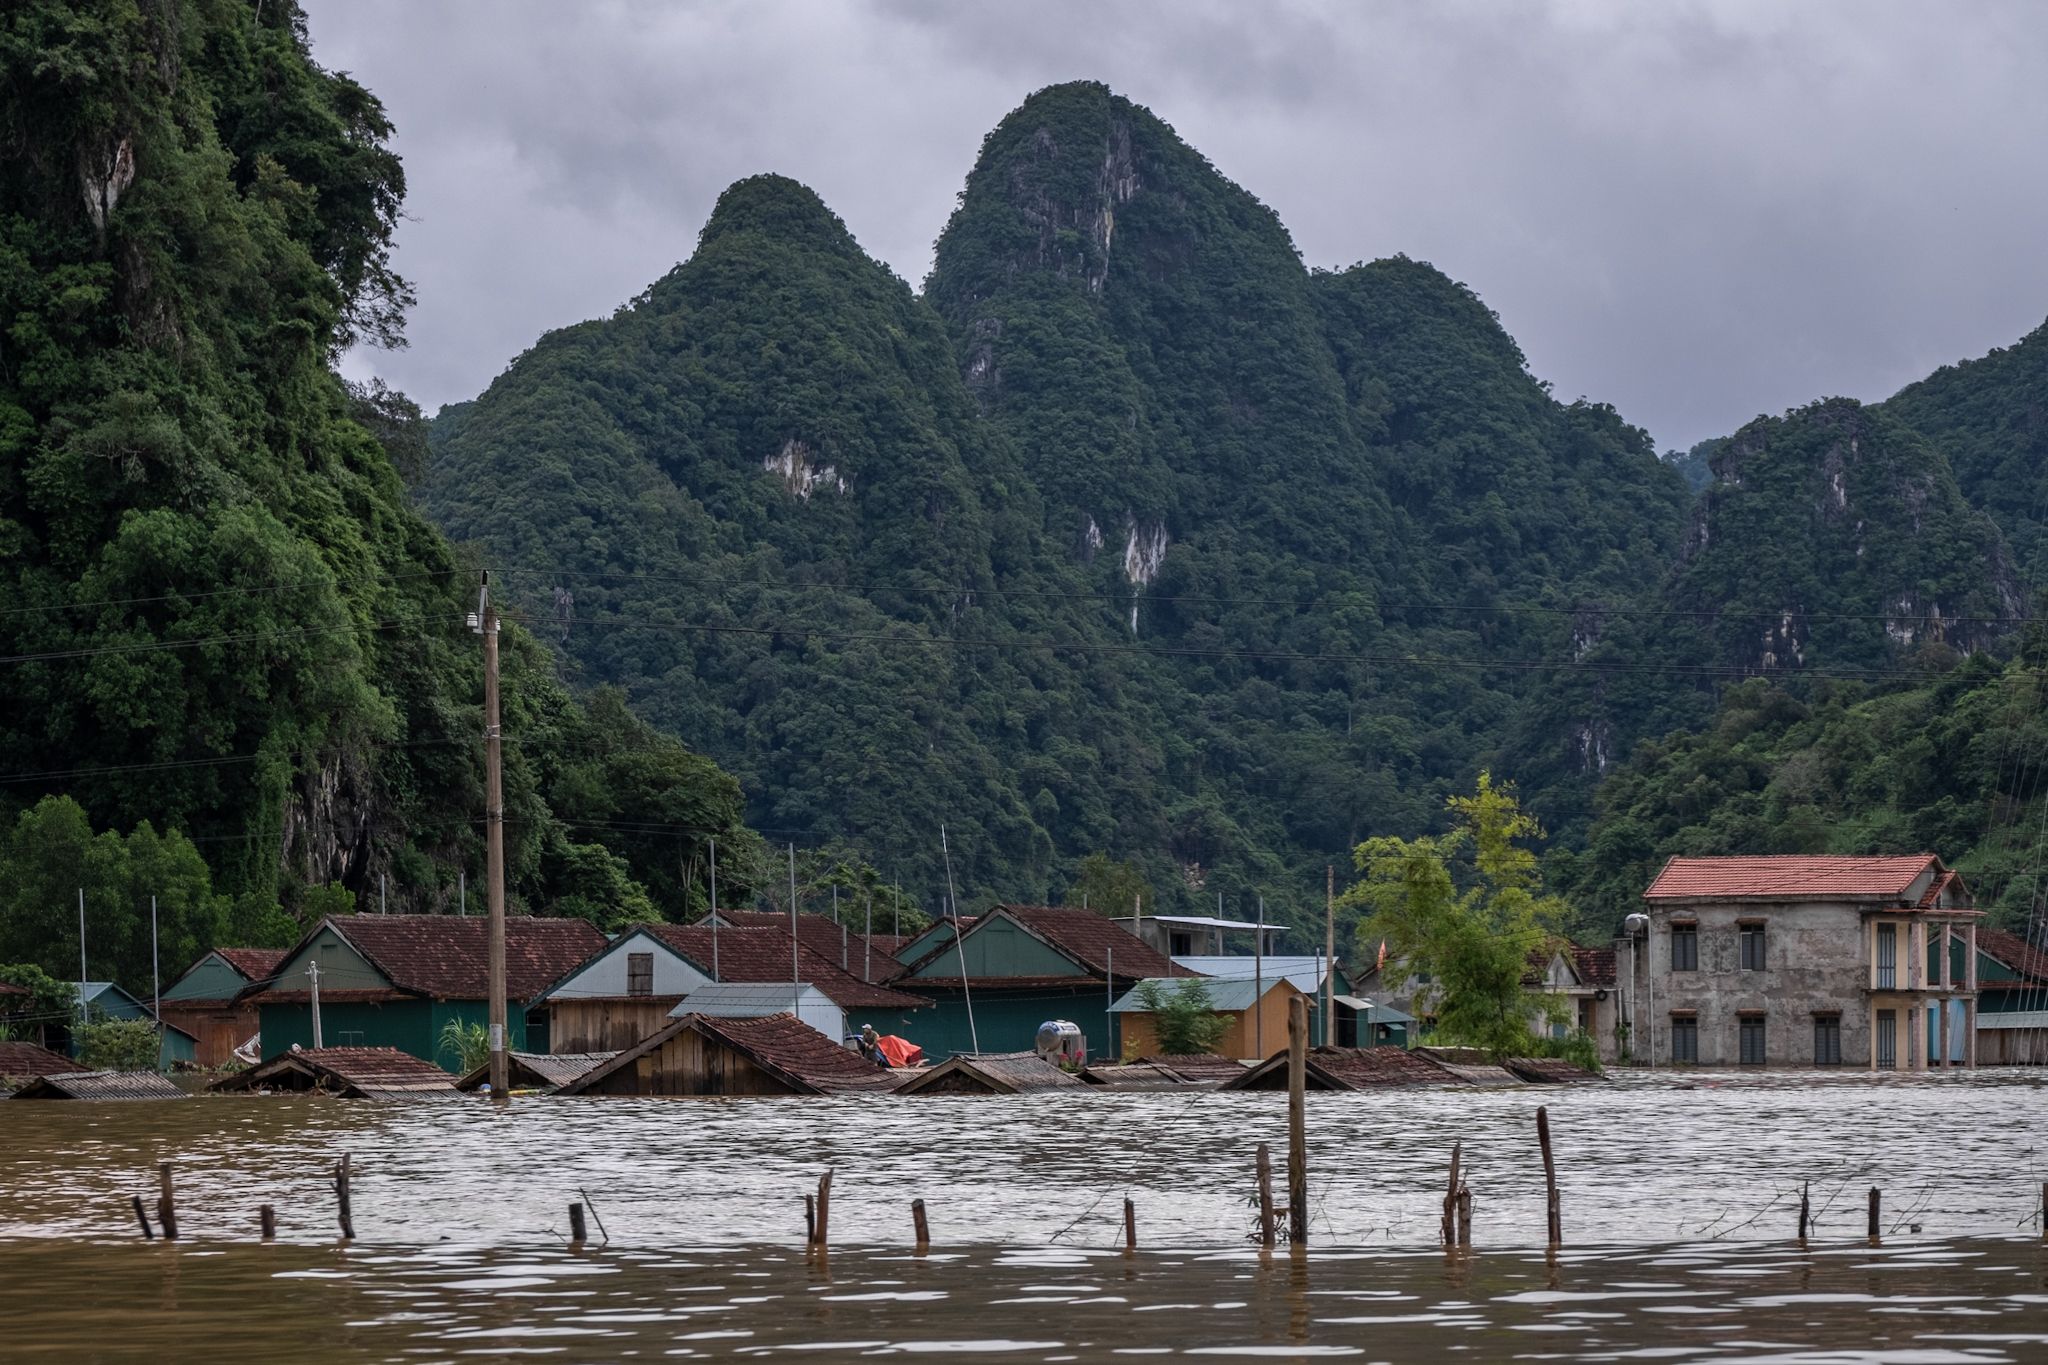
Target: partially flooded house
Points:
(210, 1000)
(701, 1056)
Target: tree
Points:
(1183, 1015)
(1109, 887)
(1468, 928)
(119, 1045)
(50, 1001)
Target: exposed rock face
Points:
(801, 474)
(1144, 552)
(102, 179)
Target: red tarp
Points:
(899, 1051)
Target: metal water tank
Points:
(1060, 1038)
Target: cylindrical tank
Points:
(1058, 1038)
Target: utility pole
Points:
(156, 986)
(959, 951)
(486, 624)
(81, 958)
(1259, 985)
(796, 990)
(313, 973)
(714, 912)
(1329, 955)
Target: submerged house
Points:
(701, 1056)
(628, 990)
(25, 1061)
(1354, 1023)
(363, 1073)
(537, 1070)
(1350, 1068)
(1257, 1023)
(100, 1085)
(989, 1073)
(1019, 966)
(1585, 980)
(209, 1000)
(1808, 961)
(398, 980)
(2012, 1000)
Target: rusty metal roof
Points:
(793, 1052)
(100, 1085)
(1790, 877)
(357, 1072)
(997, 1073)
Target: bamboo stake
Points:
(142, 1217)
(1450, 1223)
(2044, 1208)
(166, 1203)
(810, 1220)
(1876, 1205)
(1805, 1210)
(1549, 1176)
(1297, 1121)
(924, 1231)
(1130, 1226)
(576, 1232)
(266, 1219)
(1266, 1230)
(346, 1213)
(824, 1204)
(1465, 1216)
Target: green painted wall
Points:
(210, 979)
(342, 968)
(1000, 947)
(1008, 1020)
(412, 1026)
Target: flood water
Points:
(1679, 1205)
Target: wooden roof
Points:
(23, 1060)
(993, 1073)
(100, 1085)
(446, 957)
(1547, 1071)
(793, 1052)
(356, 1072)
(537, 1070)
(1349, 1068)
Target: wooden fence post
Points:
(1805, 1209)
(1876, 1206)
(266, 1221)
(166, 1204)
(924, 1231)
(1450, 1224)
(1465, 1216)
(1268, 1233)
(824, 1205)
(1130, 1226)
(142, 1217)
(345, 1210)
(1297, 1121)
(1549, 1176)
(810, 1220)
(576, 1232)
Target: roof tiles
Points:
(446, 957)
(363, 1072)
(798, 1055)
(763, 955)
(23, 1060)
(1791, 876)
(255, 964)
(2014, 951)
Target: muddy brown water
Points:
(1679, 1203)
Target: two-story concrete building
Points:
(1806, 961)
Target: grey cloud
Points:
(1694, 211)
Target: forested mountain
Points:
(223, 617)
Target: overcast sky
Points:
(1694, 211)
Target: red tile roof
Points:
(22, 1060)
(7, 988)
(1789, 877)
(364, 1072)
(821, 934)
(1092, 941)
(1595, 966)
(255, 964)
(798, 1055)
(446, 957)
(1350, 1068)
(2010, 949)
(763, 955)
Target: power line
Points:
(240, 590)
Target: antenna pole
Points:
(796, 991)
(81, 958)
(959, 950)
(494, 836)
(714, 910)
(1259, 986)
(1329, 954)
(156, 986)
(867, 938)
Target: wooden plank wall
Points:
(606, 1025)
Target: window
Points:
(1887, 1040)
(1586, 1017)
(1685, 947)
(1685, 1038)
(1827, 1040)
(1887, 957)
(1752, 943)
(1750, 1029)
(639, 973)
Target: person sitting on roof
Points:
(871, 1046)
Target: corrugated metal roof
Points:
(525, 1070)
(1305, 971)
(746, 999)
(1795, 876)
(1224, 996)
(999, 1073)
(100, 1085)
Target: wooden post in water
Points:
(1465, 1216)
(1876, 1205)
(1805, 1209)
(2044, 1208)
(924, 1230)
(346, 1213)
(166, 1205)
(266, 1220)
(1297, 1121)
(1450, 1224)
(824, 1205)
(810, 1220)
(1267, 1235)
(142, 1217)
(576, 1233)
(1549, 1176)
(1130, 1226)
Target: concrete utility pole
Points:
(1329, 955)
(313, 974)
(82, 1016)
(486, 624)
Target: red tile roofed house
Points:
(2012, 1000)
(836, 941)
(627, 990)
(209, 1000)
(366, 1073)
(1805, 960)
(1585, 979)
(25, 1061)
(1025, 965)
(399, 980)
(773, 1055)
